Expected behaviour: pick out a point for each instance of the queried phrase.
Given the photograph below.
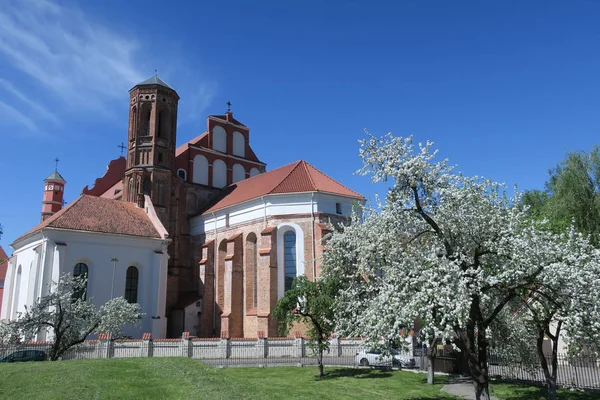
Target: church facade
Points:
(205, 237)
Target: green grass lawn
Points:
(182, 378)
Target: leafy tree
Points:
(450, 249)
(572, 195)
(310, 303)
(71, 318)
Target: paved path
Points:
(462, 387)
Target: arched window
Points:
(219, 174)
(239, 144)
(148, 122)
(251, 271)
(181, 174)
(239, 173)
(219, 137)
(131, 285)
(80, 269)
(254, 172)
(289, 252)
(200, 171)
(17, 293)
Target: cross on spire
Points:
(155, 72)
(56, 164)
(122, 147)
(228, 106)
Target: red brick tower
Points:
(151, 145)
(53, 194)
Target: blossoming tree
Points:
(449, 249)
(71, 317)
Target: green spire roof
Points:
(55, 176)
(155, 80)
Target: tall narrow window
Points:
(289, 252)
(80, 269)
(131, 285)
(148, 124)
(160, 124)
(17, 291)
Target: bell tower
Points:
(151, 143)
(54, 189)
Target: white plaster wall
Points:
(219, 174)
(239, 144)
(200, 174)
(270, 205)
(64, 249)
(239, 173)
(219, 139)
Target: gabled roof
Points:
(230, 119)
(155, 80)
(298, 177)
(201, 141)
(55, 176)
(100, 215)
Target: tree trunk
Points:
(430, 370)
(320, 361)
(476, 350)
(431, 354)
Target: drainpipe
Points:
(314, 253)
(215, 250)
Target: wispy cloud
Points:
(16, 115)
(40, 109)
(54, 52)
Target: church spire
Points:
(54, 187)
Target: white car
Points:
(374, 357)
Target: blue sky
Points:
(505, 89)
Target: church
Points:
(201, 235)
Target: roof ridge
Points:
(286, 176)
(334, 181)
(312, 182)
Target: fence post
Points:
(335, 347)
(104, 343)
(223, 348)
(146, 347)
(261, 346)
(185, 345)
(299, 346)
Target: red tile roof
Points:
(298, 177)
(97, 214)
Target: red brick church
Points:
(237, 234)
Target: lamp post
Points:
(114, 260)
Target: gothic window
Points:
(131, 285)
(147, 186)
(289, 254)
(132, 122)
(80, 269)
(161, 193)
(160, 125)
(148, 122)
(251, 271)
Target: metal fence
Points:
(581, 371)
(573, 371)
